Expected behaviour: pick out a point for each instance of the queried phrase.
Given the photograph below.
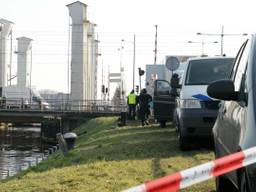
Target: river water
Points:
(20, 147)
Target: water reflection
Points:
(20, 147)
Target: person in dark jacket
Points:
(174, 83)
(144, 99)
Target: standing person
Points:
(174, 81)
(132, 102)
(144, 100)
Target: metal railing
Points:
(63, 105)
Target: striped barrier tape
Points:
(198, 174)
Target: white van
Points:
(196, 112)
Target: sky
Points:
(47, 23)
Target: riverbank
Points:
(111, 158)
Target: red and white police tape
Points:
(199, 173)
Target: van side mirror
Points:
(223, 90)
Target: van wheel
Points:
(224, 185)
(183, 142)
(162, 124)
(243, 181)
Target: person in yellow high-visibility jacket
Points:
(132, 102)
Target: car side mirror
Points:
(223, 90)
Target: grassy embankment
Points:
(111, 158)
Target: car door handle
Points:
(224, 110)
(222, 113)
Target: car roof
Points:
(206, 58)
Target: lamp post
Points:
(121, 68)
(30, 75)
(222, 34)
(10, 66)
(133, 66)
(1, 56)
(134, 61)
(202, 43)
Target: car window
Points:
(205, 71)
(237, 59)
(163, 88)
(241, 66)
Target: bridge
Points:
(18, 111)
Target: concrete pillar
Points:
(24, 61)
(89, 81)
(84, 54)
(5, 32)
(96, 51)
(77, 11)
(92, 60)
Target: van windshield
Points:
(205, 71)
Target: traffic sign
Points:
(172, 63)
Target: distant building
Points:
(56, 99)
(53, 95)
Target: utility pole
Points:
(102, 80)
(155, 45)
(108, 81)
(202, 44)
(121, 69)
(221, 38)
(30, 76)
(134, 46)
(10, 67)
(68, 62)
(134, 58)
(222, 34)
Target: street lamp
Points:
(30, 74)
(222, 34)
(202, 43)
(121, 68)
(134, 53)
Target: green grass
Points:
(111, 158)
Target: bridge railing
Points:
(64, 105)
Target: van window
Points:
(205, 71)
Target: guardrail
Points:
(198, 174)
(63, 105)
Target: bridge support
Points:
(70, 123)
(49, 128)
(52, 125)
